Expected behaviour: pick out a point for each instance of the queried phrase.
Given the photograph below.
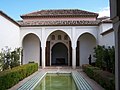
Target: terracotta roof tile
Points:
(58, 23)
(105, 20)
(60, 12)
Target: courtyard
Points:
(78, 46)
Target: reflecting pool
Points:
(57, 82)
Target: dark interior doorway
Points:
(59, 55)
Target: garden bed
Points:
(9, 78)
(104, 78)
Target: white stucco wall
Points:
(12, 36)
(53, 42)
(73, 32)
(107, 39)
(9, 34)
(31, 49)
(27, 30)
(87, 44)
(105, 26)
(93, 30)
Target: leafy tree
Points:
(6, 58)
(10, 59)
(99, 56)
(15, 57)
(112, 59)
(1, 61)
(105, 58)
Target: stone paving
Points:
(93, 84)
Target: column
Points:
(117, 61)
(115, 16)
(117, 56)
(73, 47)
(43, 56)
(43, 45)
(73, 58)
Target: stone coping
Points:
(91, 82)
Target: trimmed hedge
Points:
(90, 70)
(11, 77)
(104, 78)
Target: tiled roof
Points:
(59, 13)
(58, 23)
(105, 20)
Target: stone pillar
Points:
(117, 56)
(43, 57)
(73, 47)
(73, 58)
(115, 16)
(118, 60)
(43, 46)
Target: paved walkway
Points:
(93, 84)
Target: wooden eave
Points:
(58, 16)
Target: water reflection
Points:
(57, 82)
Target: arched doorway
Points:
(85, 47)
(57, 39)
(59, 54)
(31, 49)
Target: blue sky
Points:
(15, 8)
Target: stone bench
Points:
(31, 83)
(81, 83)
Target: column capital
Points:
(74, 45)
(73, 37)
(74, 48)
(43, 44)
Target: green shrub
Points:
(31, 62)
(10, 58)
(104, 78)
(84, 66)
(105, 58)
(89, 70)
(12, 76)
